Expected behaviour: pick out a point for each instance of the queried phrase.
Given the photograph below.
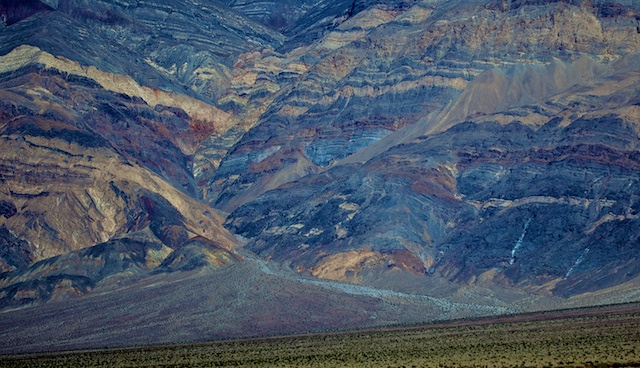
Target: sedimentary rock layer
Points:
(391, 65)
(533, 198)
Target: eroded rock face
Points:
(509, 204)
(90, 159)
(390, 65)
(175, 46)
(103, 106)
(70, 194)
(436, 147)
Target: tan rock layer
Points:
(65, 200)
(197, 110)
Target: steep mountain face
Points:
(537, 207)
(392, 64)
(450, 158)
(92, 158)
(520, 197)
(104, 105)
(157, 44)
(324, 198)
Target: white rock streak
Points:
(577, 262)
(519, 242)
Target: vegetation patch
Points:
(596, 337)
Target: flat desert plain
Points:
(606, 336)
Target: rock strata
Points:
(389, 66)
(506, 204)
(399, 161)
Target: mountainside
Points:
(390, 66)
(399, 161)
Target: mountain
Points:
(311, 166)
